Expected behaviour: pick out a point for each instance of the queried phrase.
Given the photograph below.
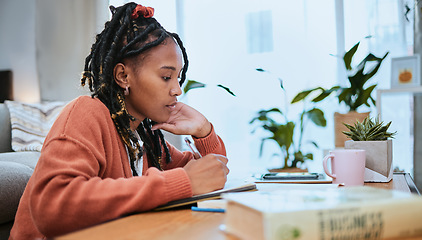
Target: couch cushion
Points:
(30, 123)
(28, 158)
(13, 180)
(15, 170)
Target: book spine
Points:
(375, 221)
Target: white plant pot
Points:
(379, 159)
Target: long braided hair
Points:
(131, 32)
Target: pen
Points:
(207, 209)
(196, 153)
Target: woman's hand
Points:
(185, 120)
(208, 173)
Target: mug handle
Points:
(324, 163)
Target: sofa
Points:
(15, 170)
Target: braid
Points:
(185, 57)
(163, 142)
(154, 160)
(122, 38)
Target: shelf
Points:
(395, 90)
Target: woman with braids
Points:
(105, 156)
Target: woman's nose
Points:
(176, 90)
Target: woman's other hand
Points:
(185, 120)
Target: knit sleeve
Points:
(210, 144)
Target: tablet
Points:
(294, 177)
(290, 176)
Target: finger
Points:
(164, 126)
(222, 158)
(226, 170)
(196, 155)
(157, 126)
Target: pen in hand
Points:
(196, 153)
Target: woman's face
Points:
(154, 83)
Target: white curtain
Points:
(65, 31)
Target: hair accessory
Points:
(147, 12)
(126, 91)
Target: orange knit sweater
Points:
(83, 176)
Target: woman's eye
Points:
(166, 78)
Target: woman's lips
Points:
(173, 105)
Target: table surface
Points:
(187, 224)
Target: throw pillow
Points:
(30, 123)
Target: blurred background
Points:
(45, 42)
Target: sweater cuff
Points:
(177, 184)
(210, 142)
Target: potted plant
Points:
(285, 133)
(373, 136)
(353, 96)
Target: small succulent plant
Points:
(369, 130)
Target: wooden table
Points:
(187, 224)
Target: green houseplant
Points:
(358, 93)
(288, 134)
(372, 136)
(369, 130)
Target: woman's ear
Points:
(120, 76)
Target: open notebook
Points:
(230, 187)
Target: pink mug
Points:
(347, 166)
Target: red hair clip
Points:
(147, 12)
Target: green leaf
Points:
(322, 96)
(263, 115)
(227, 89)
(314, 143)
(367, 93)
(344, 94)
(348, 56)
(281, 83)
(300, 96)
(192, 84)
(317, 117)
(374, 70)
(309, 156)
